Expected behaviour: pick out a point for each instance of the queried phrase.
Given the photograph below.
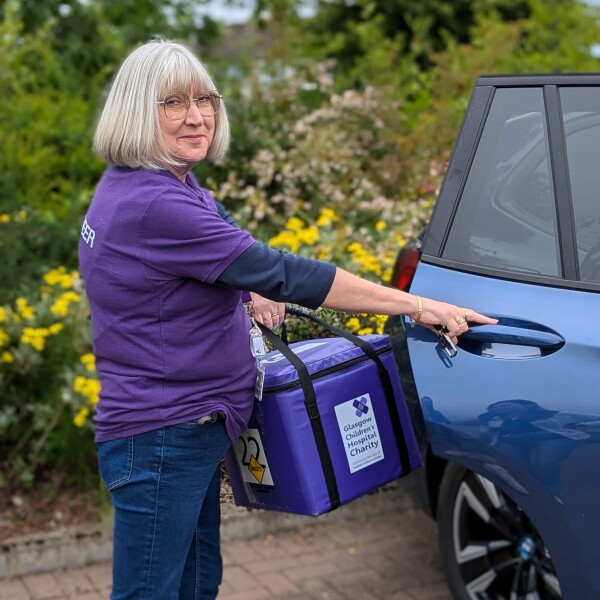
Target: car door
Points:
(516, 235)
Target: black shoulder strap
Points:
(310, 401)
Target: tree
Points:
(93, 34)
(368, 38)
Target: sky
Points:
(217, 10)
(220, 11)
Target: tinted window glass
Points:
(581, 117)
(506, 218)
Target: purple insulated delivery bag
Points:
(332, 425)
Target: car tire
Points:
(489, 548)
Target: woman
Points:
(164, 270)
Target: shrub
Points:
(45, 388)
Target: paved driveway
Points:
(387, 557)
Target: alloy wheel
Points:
(490, 548)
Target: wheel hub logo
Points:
(526, 548)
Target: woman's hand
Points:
(454, 319)
(267, 312)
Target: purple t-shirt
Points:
(171, 345)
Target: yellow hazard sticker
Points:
(256, 469)
(252, 458)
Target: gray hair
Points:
(128, 132)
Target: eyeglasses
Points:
(176, 106)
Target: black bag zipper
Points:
(349, 363)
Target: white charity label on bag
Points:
(360, 435)
(252, 459)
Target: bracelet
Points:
(419, 313)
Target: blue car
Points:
(509, 426)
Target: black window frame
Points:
(462, 160)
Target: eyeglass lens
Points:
(177, 105)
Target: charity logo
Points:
(360, 404)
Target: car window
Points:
(506, 217)
(581, 118)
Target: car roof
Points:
(539, 79)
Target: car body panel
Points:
(515, 235)
(513, 414)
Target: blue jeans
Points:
(165, 487)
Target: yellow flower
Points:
(23, 309)
(60, 277)
(35, 337)
(80, 418)
(93, 391)
(54, 276)
(7, 357)
(389, 259)
(326, 217)
(309, 236)
(90, 388)
(56, 328)
(356, 248)
(371, 263)
(89, 360)
(66, 281)
(21, 216)
(380, 225)
(324, 253)
(4, 338)
(379, 322)
(294, 224)
(400, 239)
(2, 314)
(353, 323)
(4, 218)
(365, 331)
(287, 239)
(60, 306)
(79, 383)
